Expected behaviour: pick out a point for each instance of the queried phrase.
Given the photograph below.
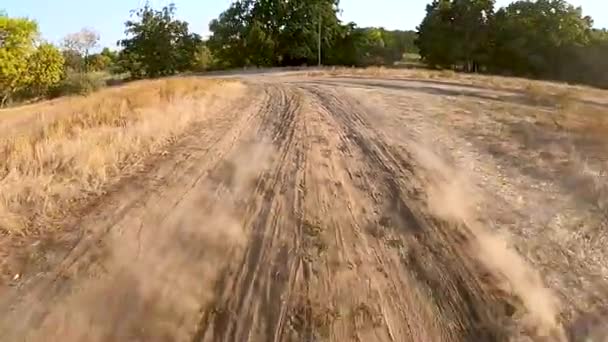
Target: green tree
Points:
(108, 53)
(345, 47)
(548, 39)
(278, 32)
(405, 41)
(299, 30)
(533, 37)
(45, 69)
(17, 37)
(111, 59)
(74, 61)
(396, 44)
(158, 44)
(435, 35)
(227, 42)
(454, 33)
(371, 47)
(583, 62)
(204, 59)
(99, 62)
(103, 61)
(260, 46)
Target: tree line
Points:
(32, 68)
(533, 38)
(287, 33)
(250, 33)
(548, 39)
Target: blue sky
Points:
(57, 18)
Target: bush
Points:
(78, 84)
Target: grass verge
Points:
(61, 152)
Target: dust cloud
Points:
(452, 197)
(153, 276)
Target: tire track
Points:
(435, 259)
(281, 289)
(252, 302)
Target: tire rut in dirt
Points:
(435, 257)
(252, 298)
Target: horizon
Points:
(390, 14)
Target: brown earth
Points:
(343, 209)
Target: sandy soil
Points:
(340, 209)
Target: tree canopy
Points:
(103, 60)
(18, 36)
(157, 44)
(280, 32)
(529, 37)
(540, 38)
(25, 65)
(45, 68)
(455, 32)
(286, 33)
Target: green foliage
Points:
(17, 44)
(157, 44)
(377, 46)
(45, 69)
(455, 32)
(286, 33)
(534, 38)
(371, 47)
(402, 42)
(434, 34)
(204, 59)
(227, 42)
(344, 50)
(99, 62)
(588, 63)
(273, 33)
(74, 62)
(109, 54)
(529, 37)
(77, 83)
(103, 61)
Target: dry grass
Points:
(557, 137)
(570, 107)
(454, 198)
(585, 130)
(57, 153)
(479, 80)
(546, 94)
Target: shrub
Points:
(78, 84)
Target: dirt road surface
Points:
(333, 209)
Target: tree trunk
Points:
(86, 61)
(4, 98)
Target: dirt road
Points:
(314, 209)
